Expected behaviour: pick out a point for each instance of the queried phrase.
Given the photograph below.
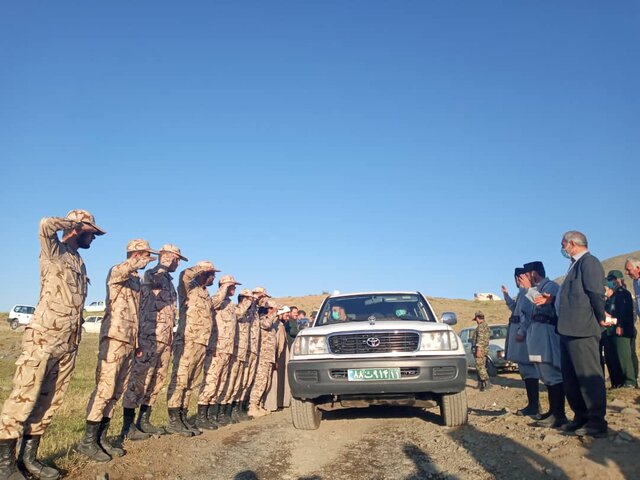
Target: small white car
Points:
(20, 315)
(496, 360)
(377, 348)
(97, 306)
(92, 324)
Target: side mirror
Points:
(449, 318)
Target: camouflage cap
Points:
(261, 292)
(167, 247)
(478, 314)
(140, 245)
(207, 265)
(228, 279)
(270, 303)
(86, 218)
(245, 292)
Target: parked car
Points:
(496, 361)
(92, 324)
(97, 306)
(20, 315)
(380, 348)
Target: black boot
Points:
(144, 422)
(8, 467)
(245, 409)
(224, 416)
(240, 412)
(89, 445)
(175, 424)
(533, 396)
(235, 417)
(129, 429)
(212, 413)
(558, 417)
(202, 419)
(106, 445)
(184, 416)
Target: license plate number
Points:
(373, 374)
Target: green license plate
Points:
(372, 374)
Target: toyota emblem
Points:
(373, 342)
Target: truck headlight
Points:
(433, 341)
(310, 345)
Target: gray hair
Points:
(635, 262)
(576, 237)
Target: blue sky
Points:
(310, 146)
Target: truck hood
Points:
(389, 325)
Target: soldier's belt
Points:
(548, 319)
(514, 319)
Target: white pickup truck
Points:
(377, 348)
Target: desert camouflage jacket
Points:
(226, 317)
(254, 329)
(123, 304)
(198, 321)
(63, 285)
(268, 341)
(242, 332)
(158, 310)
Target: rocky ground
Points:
(393, 443)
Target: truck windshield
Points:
(375, 307)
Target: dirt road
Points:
(393, 443)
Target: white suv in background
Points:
(97, 306)
(20, 315)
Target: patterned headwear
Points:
(245, 292)
(228, 279)
(207, 265)
(478, 314)
(167, 247)
(140, 245)
(261, 292)
(270, 303)
(86, 218)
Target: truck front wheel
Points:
(454, 409)
(305, 414)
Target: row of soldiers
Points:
(232, 346)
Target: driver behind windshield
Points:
(338, 314)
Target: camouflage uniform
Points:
(155, 336)
(191, 340)
(251, 363)
(266, 358)
(118, 334)
(50, 341)
(235, 381)
(481, 349)
(222, 348)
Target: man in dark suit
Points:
(580, 306)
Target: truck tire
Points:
(14, 324)
(492, 371)
(305, 414)
(453, 409)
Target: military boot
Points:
(175, 424)
(533, 396)
(106, 445)
(235, 418)
(558, 417)
(184, 416)
(202, 420)
(245, 409)
(487, 384)
(255, 411)
(8, 467)
(224, 417)
(144, 422)
(212, 413)
(240, 413)
(89, 445)
(129, 429)
(27, 458)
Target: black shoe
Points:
(129, 429)
(552, 421)
(591, 431)
(202, 420)
(529, 411)
(175, 424)
(533, 398)
(106, 445)
(8, 465)
(89, 445)
(573, 425)
(224, 415)
(144, 422)
(184, 416)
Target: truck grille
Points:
(377, 342)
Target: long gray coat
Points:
(517, 351)
(542, 341)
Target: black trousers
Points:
(583, 379)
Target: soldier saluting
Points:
(50, 343)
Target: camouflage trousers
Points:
(112, 375)
(234, 382)
(248, 376)
(481, 367)
(188, 360)
(42, 376)
(262, 382)
(215, 377)
(148, 374)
